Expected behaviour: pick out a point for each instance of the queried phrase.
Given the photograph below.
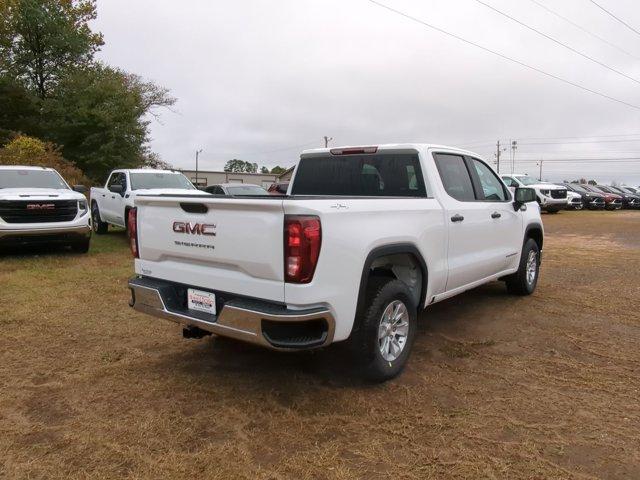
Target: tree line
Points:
(242, 166)
(53, 88)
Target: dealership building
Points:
(205, 178)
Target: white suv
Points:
(38, 206)
(551, 198)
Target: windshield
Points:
(247, 190)
(151, 180)
(578, 188)
(527, 180)
(630, 190)
(31, 179)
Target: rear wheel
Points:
(386, 329)
(553, 210)
(99, 226)
(524, 281)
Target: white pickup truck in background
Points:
(109, 205)
(37, 207)
(365, 239)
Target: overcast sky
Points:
(261, 80)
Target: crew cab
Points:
(365, 239)
(37, 206)
(551, 198)
(109, 205)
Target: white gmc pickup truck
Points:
(365, 238)
(109, 205)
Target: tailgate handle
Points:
(194, 207)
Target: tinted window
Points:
(117, 178)
(492, 187)
(383, 175)
(151, 180)
(455, 176)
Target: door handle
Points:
(457, 218)
(495, 215)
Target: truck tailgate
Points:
(223, 244)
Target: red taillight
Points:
(353, 151)
(302, 239)
(132, 228)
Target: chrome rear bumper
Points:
(262, 323)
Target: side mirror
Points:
(523, 195)
(80, 188)
(116, 188)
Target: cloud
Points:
(256, 79)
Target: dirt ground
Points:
(546, 386)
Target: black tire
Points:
(81, 246)
(520, 283)
(365, 343)
(552, 210)
(99, 227)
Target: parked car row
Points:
(37, 206)
(553, 197)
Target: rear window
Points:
(382, 175)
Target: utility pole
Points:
(540, 178)
(327, 140)
(514, 147)
(197, 154)
(498, 153)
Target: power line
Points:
(613, 16)
(535, 69)
(582, 141)
(603, 40)
(592, 136)
(582, 160)
(558, 42)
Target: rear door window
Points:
(455, 176)
(379, 175)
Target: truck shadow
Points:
(218, 358)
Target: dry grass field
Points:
(546, 386)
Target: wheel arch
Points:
(535, 231)
(389, 250)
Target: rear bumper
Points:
(262, 323)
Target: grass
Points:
(507, 387)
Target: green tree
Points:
(264, 170)
(40, 40)
(99, 116)
(278, 170)
(240, 166)
(19, 110)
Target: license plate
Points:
(201, 301)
